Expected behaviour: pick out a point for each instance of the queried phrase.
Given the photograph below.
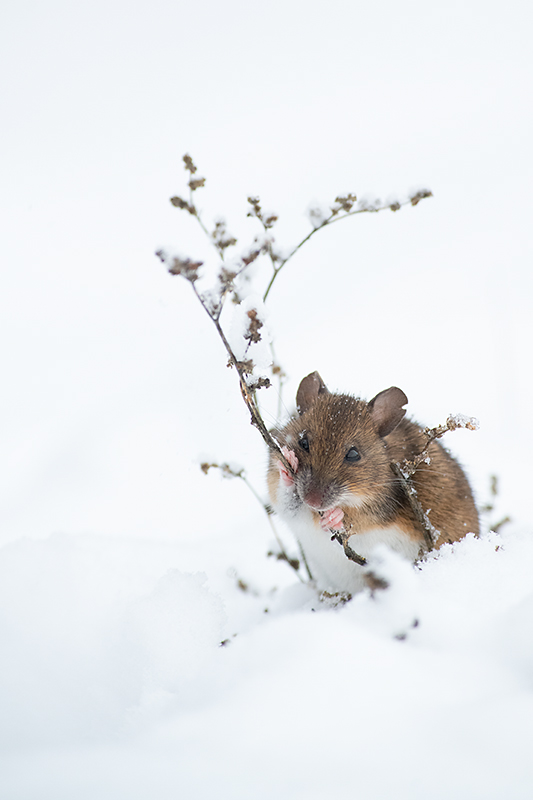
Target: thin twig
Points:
(229, 472)
(410, 492)
(343, 538)
(336, 217)
(407, 469)
(246, 391)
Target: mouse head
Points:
(339, 442)
(385, 409)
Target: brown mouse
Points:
(340, 449)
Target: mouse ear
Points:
(308, 391)
(386, 409)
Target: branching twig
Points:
(343, 538)
(342, 204)
(231, 472)
(406, 470)
(189, 270)
(342, 208)
(214, 304)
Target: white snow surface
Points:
(114, 682)
(120, 562)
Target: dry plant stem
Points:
(304, 560)
(268, 511)
(349, 552)
(247, 393)
(333, 217)
(405, 471)
(228, 471)
(496, 528)
(203, 227)
(414, 502)
(284, 552)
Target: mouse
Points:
(340, 448)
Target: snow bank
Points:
(114, 682)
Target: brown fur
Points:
(367, 490)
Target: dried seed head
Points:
(226, 278)
(176, 265)
(256, 208)
(270, 221)
(250, 258)
(346, 202)
(221, 237)
(245, 367)
(196, 183)
(421, 195)
(179, 202)
(254, 326)
(189, 164)
(260, 383)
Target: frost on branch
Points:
(221, 237)
(317, 216)
(344, 203)
(421, 194)
(455, 421)
(250, 340)
(267, 219)
(177, 265)
(405, 471)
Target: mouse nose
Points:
(315, 499)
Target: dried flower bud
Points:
(260, 383)
(221, 237)
(421, 195)
(196, 183)
(251, 257)
(227, 470)
(189, 164)
(254, 326)
(176, 265)
(346, 202)
(455, 421)
(179, 202)
(278, 370)
(395, 206)
(270, 221)
(256, 207)
(186, 267)
(244, 367)
(226, 278)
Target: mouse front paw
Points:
(286, 478)
(332, 520)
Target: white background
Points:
(113, 382)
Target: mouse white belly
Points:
(330, 567)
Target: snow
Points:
(463, 421)
(149, 647)
(114, 680)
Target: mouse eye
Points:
(352, 455)
(304, 443)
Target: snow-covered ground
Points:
(122, 567)
(114, 682)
